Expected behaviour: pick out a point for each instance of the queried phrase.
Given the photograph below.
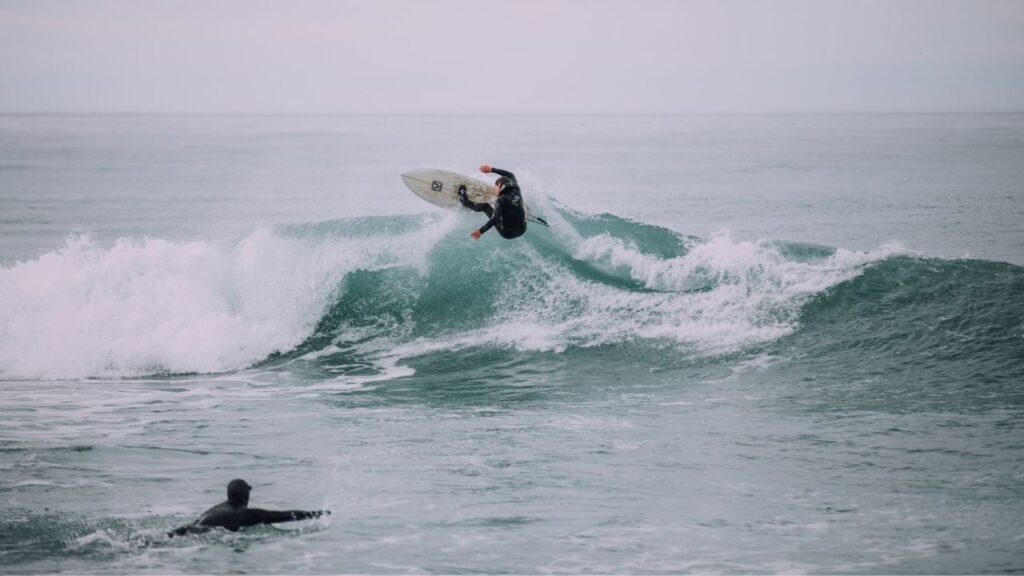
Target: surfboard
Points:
(441, 188)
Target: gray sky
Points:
(523, 56)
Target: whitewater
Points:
(745, 344)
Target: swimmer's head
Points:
(238, 492)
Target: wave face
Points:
(909, 333)
(400, 287)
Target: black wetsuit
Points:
(235, 514)
(508, 216)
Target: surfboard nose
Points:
(417, 174)
(417, 178)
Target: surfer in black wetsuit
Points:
(235, 513)
(507, 216)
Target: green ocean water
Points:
(745, 344)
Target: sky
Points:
(511, 57)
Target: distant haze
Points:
(491, 57)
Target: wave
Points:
(947, 330)
(404, 286)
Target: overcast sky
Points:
(521, 56)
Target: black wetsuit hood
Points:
(238, 492)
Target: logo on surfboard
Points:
(436, 186)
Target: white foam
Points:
(718, 297)
(101, 538)
(147, 306)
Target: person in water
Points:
(235, 513)
(507, 216)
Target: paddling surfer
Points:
(235, 513)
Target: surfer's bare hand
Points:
(486, 169)
(475, 234)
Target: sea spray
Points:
(155, 306)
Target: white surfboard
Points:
(441, 188)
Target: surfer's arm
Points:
(260, 516)
(504, 173)
(189, 529)
(494, 217)
(486, 169)
(487, 226)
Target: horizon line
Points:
(850, 112)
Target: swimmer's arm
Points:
(260, 516)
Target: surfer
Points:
(235, 513)
(507, 216)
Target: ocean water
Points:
(768, 344)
